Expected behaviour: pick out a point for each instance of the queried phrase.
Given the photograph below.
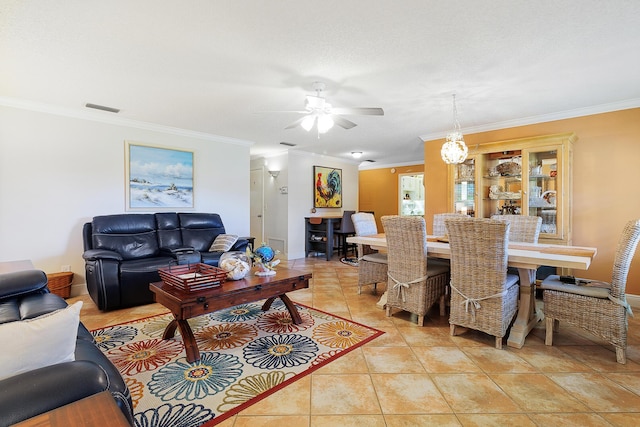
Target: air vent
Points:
(288, 144)
(102, 107)
(370, 161)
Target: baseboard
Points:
(78, 289)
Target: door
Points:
(256, 208)
(411, 194)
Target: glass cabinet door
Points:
(464, 187)
(502, 184)
(543, 196)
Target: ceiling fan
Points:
(320, 113)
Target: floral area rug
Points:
(245, 355)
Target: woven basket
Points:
(60, 283)
(193, 277)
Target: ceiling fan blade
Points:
(342, 122)
(359, 111)
(296, 123)
(297, 112)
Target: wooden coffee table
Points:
(185, 305)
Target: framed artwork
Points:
(327, 187)
(157, 178)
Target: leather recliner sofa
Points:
(25, 295)
(123, 252)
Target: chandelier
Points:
(454, 149)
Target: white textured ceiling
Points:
(217, 67)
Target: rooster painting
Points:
(328, 187)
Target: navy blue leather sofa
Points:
(123, 252)
(25, 295)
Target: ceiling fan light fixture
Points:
(454, 150)
(325, 123)
(308, 122)
(315, 103)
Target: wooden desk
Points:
(323, 231)
(526, 257)
(98, 410)
(185, 305)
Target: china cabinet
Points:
(528, 176)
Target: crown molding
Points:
(561, 115)
(368, 165)
(111, 119)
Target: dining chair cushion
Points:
(553, 283)
(376, 257)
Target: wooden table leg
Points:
(527, 317)
(291, 307)
(190, 346)
(170, 330)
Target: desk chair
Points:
(346, 229)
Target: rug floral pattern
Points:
(245, 355)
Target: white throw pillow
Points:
(223, 242)
(35, 343)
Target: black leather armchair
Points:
(24, 295)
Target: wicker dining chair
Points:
(483, 296)
(439, 228)
(600, 308)
(523, 228)
(413, 285)
(372, 265)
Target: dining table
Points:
(526, 258)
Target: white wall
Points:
(301, 182)
(285, 213)
(58, 171)
(276, 215)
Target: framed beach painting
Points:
(158, 178)
(327, 187)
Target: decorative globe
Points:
(265, 253)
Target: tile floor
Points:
(421, 376)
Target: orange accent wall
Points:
(378, 190)
(606, 181)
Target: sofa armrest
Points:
(183, 254)
(93, 254)
(22, 283)
(240, 245)
(174, 251)
(32, 393)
